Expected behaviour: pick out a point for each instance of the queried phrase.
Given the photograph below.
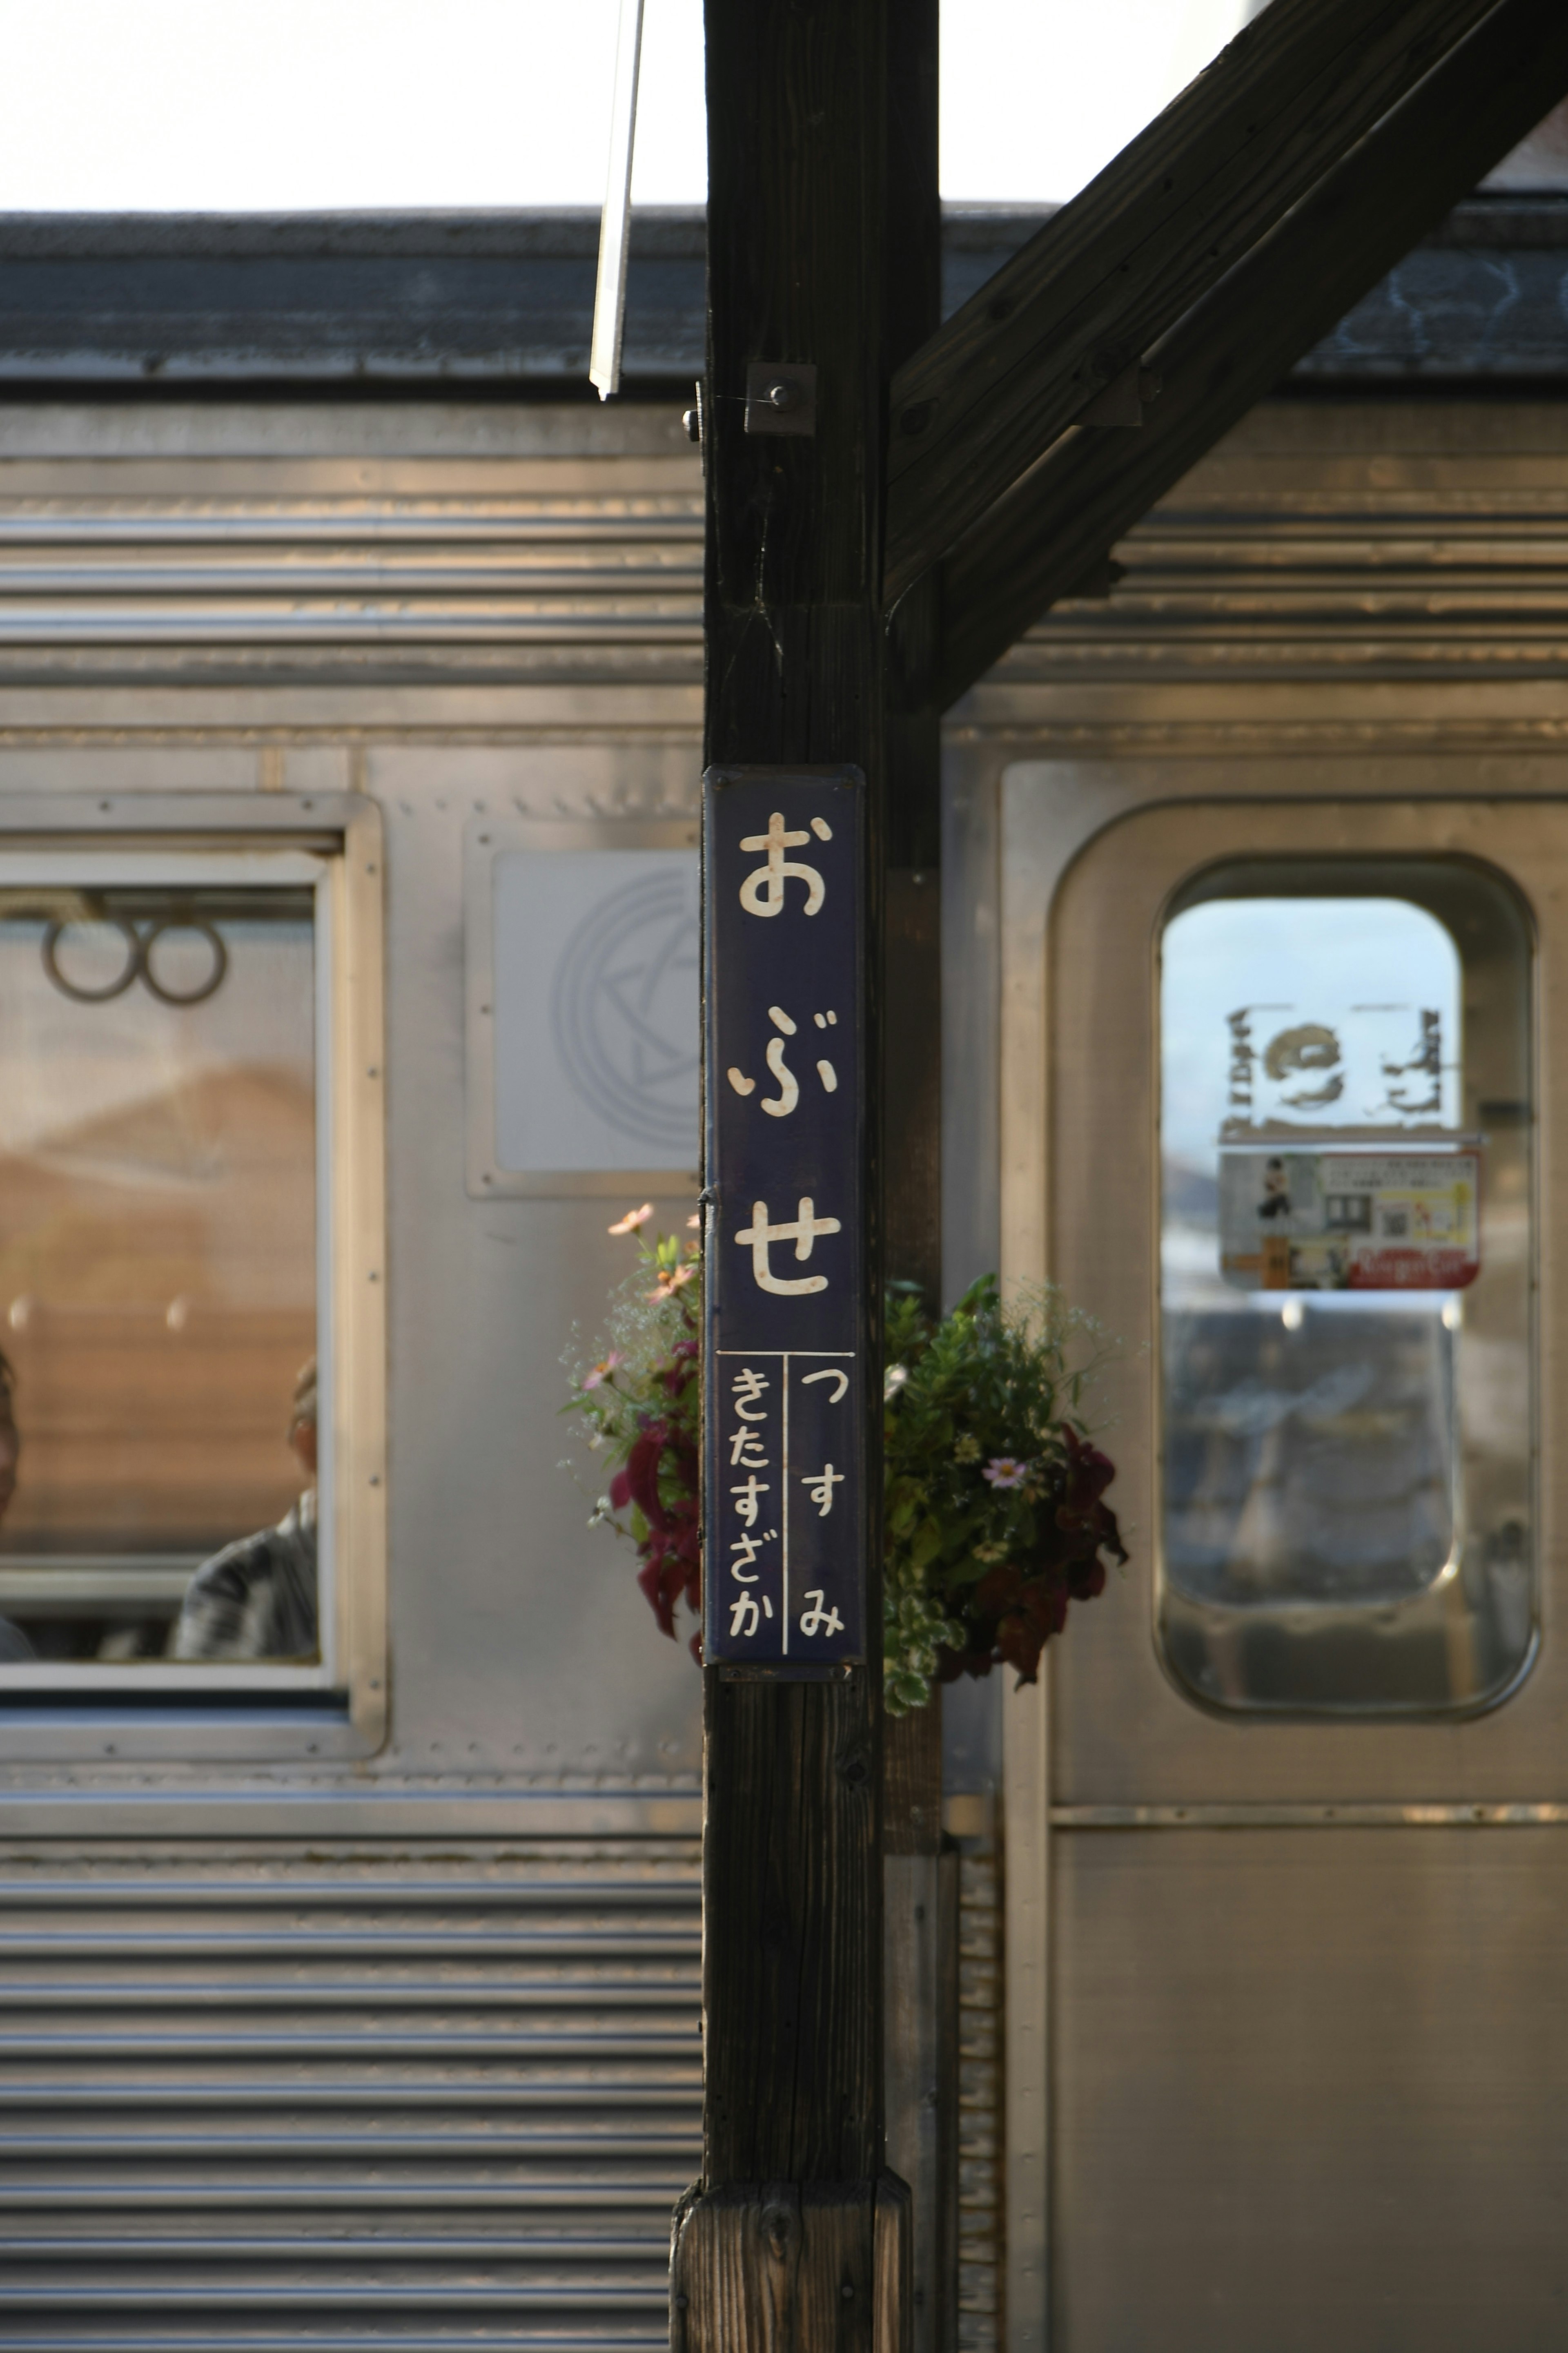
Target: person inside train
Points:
(16, 1651)
(256, 1598)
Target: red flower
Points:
(950, 1664)
(653, 1586)
(1081, 1512)
(1019, 1644)
(997, 1589)
(641, 1475)
(1024, 1613)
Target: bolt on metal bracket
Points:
(780, 396)
(1124, 400)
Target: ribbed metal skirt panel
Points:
(541, 584)
(412, 2100)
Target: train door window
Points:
(164, 1043)
(1346, 1446)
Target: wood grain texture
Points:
(912, 249)
(1053, 529)
(797, 199)
(891, 2253)
(1115, 269)
(921, 2027)
(797, 156)
(793, 1928)
(911, 1114)
(779, 2267)
(911, 1781)
(816, 114)
(916, 2021)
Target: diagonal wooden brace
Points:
(1088, 296)
(1058, 524)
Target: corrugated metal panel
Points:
(414, 2099)
(980, 2155)
(1399, 544)
(528, 570)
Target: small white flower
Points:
(896, 1376)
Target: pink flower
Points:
(1004, 1471)
(670, 1281)
(634, 1221)
(601, 1372)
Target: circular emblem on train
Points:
(624, 1012)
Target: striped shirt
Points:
(256, 1598)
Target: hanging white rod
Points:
(615, 226)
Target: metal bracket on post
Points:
(1124, 398)
(780, 396)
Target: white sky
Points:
(1296, 960)
(239, 105)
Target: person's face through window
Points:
(10, 1454)
(303, 1439)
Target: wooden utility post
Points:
(862, 562)
(798, 2236)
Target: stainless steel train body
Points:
(360, 2007)
(364, 2009)
(1284, 1907)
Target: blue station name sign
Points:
(785, 1402)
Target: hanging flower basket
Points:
(995, 1516)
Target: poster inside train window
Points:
(1354, 1220)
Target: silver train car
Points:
(350, 718)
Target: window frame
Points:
(217, 1708)
(1366, 1627)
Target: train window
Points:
(161, 1029)
(1346, 1444)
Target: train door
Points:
(1284, 1082)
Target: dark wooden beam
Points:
(1052, 531)
(1116, 267)
(796, 2239)
(917, 2037)
(912, 1095)
(792, 1948)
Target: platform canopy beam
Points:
(1081, 304)
(1055, 530)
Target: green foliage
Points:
(641, 1399)
(993, 1514)
(993, 1518)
